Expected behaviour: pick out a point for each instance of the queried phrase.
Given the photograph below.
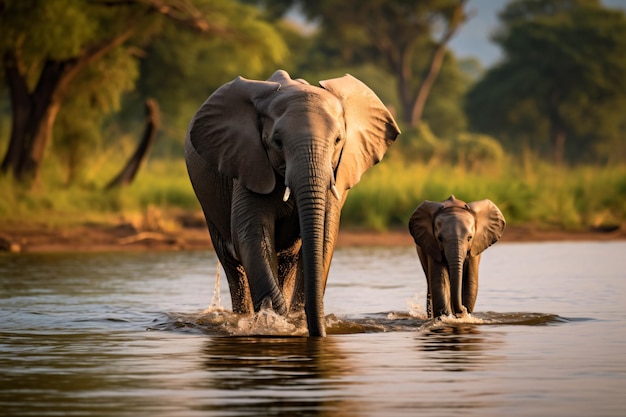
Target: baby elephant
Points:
(450, 237)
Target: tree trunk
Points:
(413, 115)
(34, 112)
(128, 173)
(20, 106)
(417, 108)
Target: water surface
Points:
(117, 334)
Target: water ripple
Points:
(268, 323)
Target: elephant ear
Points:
(421, 228)
(225, 133)
(490, 225)
(370, 128)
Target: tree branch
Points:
(458, 18)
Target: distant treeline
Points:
(76, 74)
(541, 133)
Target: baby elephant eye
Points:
(469, 238)
(278, 142)
(337, 140)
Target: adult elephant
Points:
(271, 163)
(450, 237)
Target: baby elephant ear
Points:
(370, 128)
(225, 133)
(490, 225)
(421, 228)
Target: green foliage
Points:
(535, 193)
(80, 124)
(564, 66)
(85, 55)
(397, 36)
(164, 184)
(527, 192)
(181, 69)
(561, 83)
(57, 29)
(467, 150)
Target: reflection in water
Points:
(73, 339)
(459, 347)
(286, 376)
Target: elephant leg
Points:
(261, 265)
(439, 288)
(213, 191)
(289, 243)
(235, 275)
(297, 297)
(253, 229)
(287, 271)
(470, 282)
(424, 261)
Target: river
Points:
(134, 334)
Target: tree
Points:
(47, 44)
(128, 173)
(562, 76)
(393, 33)
(181, 69)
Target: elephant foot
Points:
(267, 305)
(462, 314)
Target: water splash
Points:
(464, 319)
(216, 300)
(269, 323)
(415, 308)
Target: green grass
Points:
(531, 193)
(160, 183)
(527, 193)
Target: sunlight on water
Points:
(546, 338)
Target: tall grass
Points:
(527, 192)
(160, 183)
(531, 192)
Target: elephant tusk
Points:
(333, 188)
(287, 194)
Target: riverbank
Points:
(191, 234)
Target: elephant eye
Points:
(440, 238)
(337, 140)
(469, 238)
(278, 142)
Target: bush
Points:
(542, 194)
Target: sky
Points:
(473, 38)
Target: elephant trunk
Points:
(311, 191)
(455, 255)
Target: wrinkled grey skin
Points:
(250, 141)
(450, 236)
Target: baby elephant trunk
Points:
(455, 255)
